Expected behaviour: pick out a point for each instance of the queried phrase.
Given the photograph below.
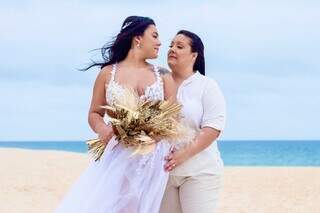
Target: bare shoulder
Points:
(167, 77)
(104, 75)
(170, 88)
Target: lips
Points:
(172, 56)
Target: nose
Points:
(158, 42)
(171, 50)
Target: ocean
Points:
(233, 153)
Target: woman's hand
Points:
(206, 137)
(105, 133)
(176, 158)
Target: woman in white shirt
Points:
(196, 169)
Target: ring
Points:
(173, 165)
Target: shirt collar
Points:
(191, 78)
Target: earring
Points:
(138, 45)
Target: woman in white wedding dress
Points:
(120, 183)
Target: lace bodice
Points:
(152, 92)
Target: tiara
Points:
(126, 25)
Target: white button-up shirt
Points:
(204, 105)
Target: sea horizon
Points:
(233, 152)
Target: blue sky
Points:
(264, 55)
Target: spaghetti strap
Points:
(157, 73)
(113, 71)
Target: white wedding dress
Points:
(120, 183)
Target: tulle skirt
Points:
(119, 183)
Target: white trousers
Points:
(191, 194)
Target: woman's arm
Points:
(96, 113)
(205, 138)
(213, 120)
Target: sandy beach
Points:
(35, 181)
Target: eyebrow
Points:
(178, 42)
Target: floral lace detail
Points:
(153, 92)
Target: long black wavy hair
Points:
(196, 46)
(117, 50)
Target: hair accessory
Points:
(126, 25)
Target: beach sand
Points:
(35, 181)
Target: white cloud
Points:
(263, 54)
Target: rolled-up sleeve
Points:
(214, 106)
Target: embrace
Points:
(170, 179)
